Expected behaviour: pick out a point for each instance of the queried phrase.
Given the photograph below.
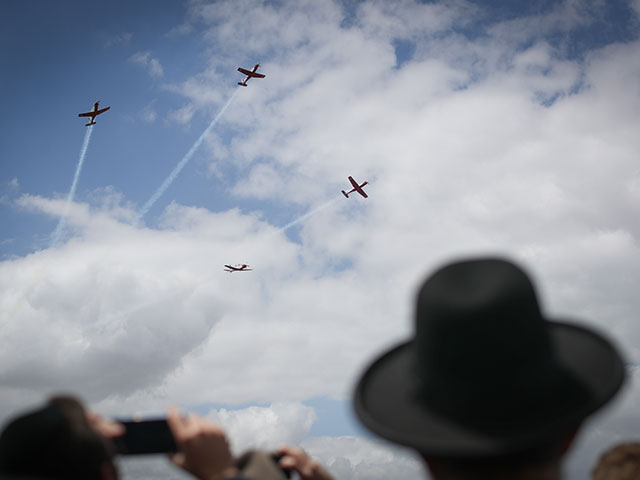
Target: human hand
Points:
(104, 426)
(203, 449)
(294, 458)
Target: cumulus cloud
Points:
(114, 325)
(497, 144)
(108, 330)
(266, 427)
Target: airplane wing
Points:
(358, 188)
(102, 110)
(249, 73)
(87, 114)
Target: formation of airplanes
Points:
(249, 74)
(253, 73)
(93, 113)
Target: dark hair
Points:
(55, 441)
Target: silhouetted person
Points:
(621, 462)
(488, 387)
(57, 441)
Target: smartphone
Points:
(145, 437)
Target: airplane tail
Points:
(243, 84)
(89, 124)
(345, 194)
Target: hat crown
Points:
(479, 330)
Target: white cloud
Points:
(112, 307)
(351, 458)
(469, 147)
(408, 19)
(562, 17)
(266, 428)
(149, 114)
(119, 39)
(182, 115)
(152, 64)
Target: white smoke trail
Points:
(308, 214)
(55, 236)
(63, 219)
(181, 164)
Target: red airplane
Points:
(93, 114)
(249, 74)
(356, 188)
(237, 268)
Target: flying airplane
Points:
(356, 188)
(237, 268)
(93, 114)
(249, 74)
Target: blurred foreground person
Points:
(621, 462)
(62, 440)
(488, 387)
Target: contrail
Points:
(63, 219)
(55, 237)
(172, 176)
(308, 214)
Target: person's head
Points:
(488, 385)
(55, 441)
(621, 462)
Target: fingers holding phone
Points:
(203, 448)
(294, 458)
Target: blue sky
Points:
(60, 69)
(89, 53)
(482, 127)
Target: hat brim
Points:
(385, 401)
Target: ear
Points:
(108, 471)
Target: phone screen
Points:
(145, 437)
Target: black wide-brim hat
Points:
(486, 374)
